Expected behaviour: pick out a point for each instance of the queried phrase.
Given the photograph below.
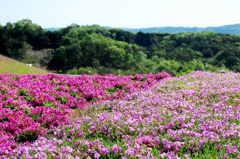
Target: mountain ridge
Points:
(231, 29)
(225, 29)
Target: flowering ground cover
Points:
(193, 116)
(32, 104)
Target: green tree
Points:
(59, 59)
(74, 55)
(114, 56)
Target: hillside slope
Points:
(11, 66)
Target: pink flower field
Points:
(32, 104)
(142, 116)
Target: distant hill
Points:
(225, 29)
(11, 66)
(231, 29)
(52, 29)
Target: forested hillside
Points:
(94, 49)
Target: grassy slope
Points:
(10, 66)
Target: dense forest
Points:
(94, 49)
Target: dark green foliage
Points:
(36, 116)
(115, 89)
(22, 92)
(143, 79)
(94, 49)
(62, 99)
(3, 91)
(27, 136)
(49, 104)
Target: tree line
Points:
(94, 49)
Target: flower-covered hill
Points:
(193, 116)
(32, 104)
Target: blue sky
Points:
(122, 13)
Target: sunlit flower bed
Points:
(32, 104)
(192, 116)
